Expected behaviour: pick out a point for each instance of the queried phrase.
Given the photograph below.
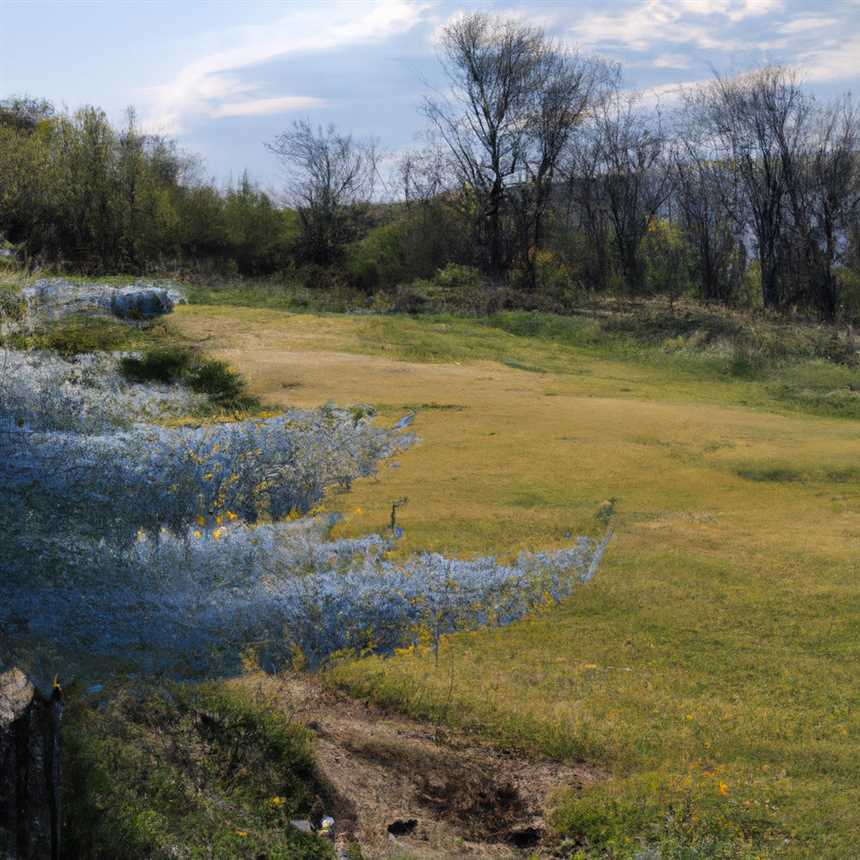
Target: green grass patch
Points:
(83, 334)
(719, 637)
(690, 818)
(192, 771)
(777, 474)
(277, 294)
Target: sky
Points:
(225, 77)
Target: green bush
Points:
(224, 387)
(166, 365)
(453, 289)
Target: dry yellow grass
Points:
(721, 635)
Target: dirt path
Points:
(448, 795)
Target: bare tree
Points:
(330, 181)
(566, 86)
(516, 98)
(586, 207)
(632, 177)
(706, 193)
(824, 196)
(754, 122)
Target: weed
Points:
(223, 385)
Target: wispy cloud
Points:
(834, 61)
(651, 22)
(265, 107)
(806, 24)
(668, 95)
(212, 86)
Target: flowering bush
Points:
(127, 544)
(189, 605)
(78, 466)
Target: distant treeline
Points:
(76, 191)
(541, 178)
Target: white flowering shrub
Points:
(128, 545)
(189, 605)
(41, 391)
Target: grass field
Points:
(711, 667)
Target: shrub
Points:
(453, 289)
(192, 561)
(165, 364)
(224, 387)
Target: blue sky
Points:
(225, 76)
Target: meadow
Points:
(709, 669)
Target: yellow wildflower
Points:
(724, 789)
(218, 520)
(201, 520)
(277, 801)
(231, 516)
(217, 534)
(198, 533)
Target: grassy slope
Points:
(716, 653)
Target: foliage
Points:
(78, 335)
(78, 191)
(165, 364)
(173, 364)
(190, 564)
(185, 772)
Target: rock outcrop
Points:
(57, 298)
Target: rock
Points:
(16, 694)
(142, 302)
(56, 298)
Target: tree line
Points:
(538, 170)
(77, 192)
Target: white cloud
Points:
(674, 21)
(804, 25)
(210, 84)
(669, 94)
(264, 107)
(833, 62)
(670, 61)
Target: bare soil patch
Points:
(405, 788)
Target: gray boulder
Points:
(57, 298)
(142, 302)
